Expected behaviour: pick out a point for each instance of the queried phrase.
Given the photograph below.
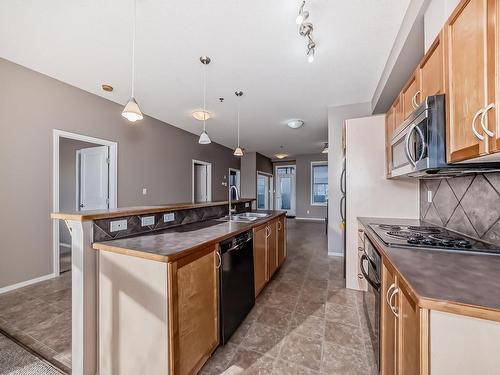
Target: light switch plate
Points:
(144, 191)
(117, 225)
(429, 196)
(147, 221)
(168, 217)
(247, 205)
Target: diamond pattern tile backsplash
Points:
(469, 205)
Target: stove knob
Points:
(413, 240)
(463, 243)
(429, 242)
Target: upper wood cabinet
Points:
(432, 70)
(389, 126)
(194, 310)
(410, 94)
(469, 37)
(398, 112)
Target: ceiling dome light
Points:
(238, 151)
(295, 124)
(325, 148)
(132, 112)
(204, 138)
(202, 115)
(281, 156)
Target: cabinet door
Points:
(389, 127)
(388, 325)
(281, 240)
(260, 257)
(193, 310)
(398, 112)
(466, 35)
(272, 248)
(432, 70)
(409, 350)
(409, 95)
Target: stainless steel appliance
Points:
(237, 291)
(371, 268)
(418, 146)
(431, 237)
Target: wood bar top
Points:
(174, 243)
(140, 210)
(458, 283)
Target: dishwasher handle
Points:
(237, 246)
(375, 285)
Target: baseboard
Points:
(336, 254)
(310, 218)
(65, 245)
(9, 288)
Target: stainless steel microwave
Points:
(418, 147)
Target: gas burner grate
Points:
(426, 230)
(447, 238)
(404, 234)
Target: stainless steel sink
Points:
(245, 217)
(258, 215)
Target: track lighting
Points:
(305, 30)
(303, 15)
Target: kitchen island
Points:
(440, 310)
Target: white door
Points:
(200, 183)
(263, 191)
(285, 193)
(93, 178)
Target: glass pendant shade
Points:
(132, 112)
(204, 138)
(238, 151)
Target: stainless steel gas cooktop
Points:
(431, 237)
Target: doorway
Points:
(285, 189)
(202, 182)
(234, 180)
(84, 178)
(264, 191)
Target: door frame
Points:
(209, 179)
(271, 189)
(113, 182)
(294, 185)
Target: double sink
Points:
(245, 217)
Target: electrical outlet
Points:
(247, 204)
(308, 212)
(117, 225)
(147, 221)
(168, 217)
(429, 196)
(144, 191)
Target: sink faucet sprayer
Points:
(231, 210)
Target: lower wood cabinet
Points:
(269, 251)
(193, 310)
(404, 329)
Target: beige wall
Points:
(151, 154)
(304, 209)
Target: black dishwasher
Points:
(237, 290)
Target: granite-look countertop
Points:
(170, 244)
(460, 283)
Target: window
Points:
(319, 183)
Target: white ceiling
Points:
(254, 46)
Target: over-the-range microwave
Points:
(418, 146)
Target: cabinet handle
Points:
(414, 100)
(279, 225)
(219, 260)
(360, 276)
(268, 232)
(360, 249)
(393, 308)
(360, 230)
(479, 136)
(393, 285)
(483, 116)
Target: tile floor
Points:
(304, 322)
(39, 317)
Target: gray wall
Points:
(151, 154)
(469, 205)
(251, 162)
(67, 180)
(303, 185)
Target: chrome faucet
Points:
(231, 210)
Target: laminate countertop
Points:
(459, 283)
(173, 243)
(139, 210)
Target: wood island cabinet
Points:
(388, 329)
(194, 310)
(269, 251)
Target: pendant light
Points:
(204, 138)
(132, 112)
(325, 148)
(238, 151)
(281, 154)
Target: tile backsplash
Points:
(468, 204)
